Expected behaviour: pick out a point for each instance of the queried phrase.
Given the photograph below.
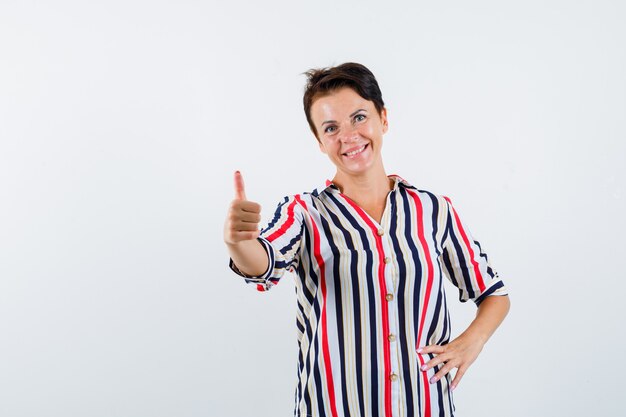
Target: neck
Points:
(372, 185)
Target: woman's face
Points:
(349, 129)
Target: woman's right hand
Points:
(243, 218)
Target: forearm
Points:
(249, 256)
(491, 312)
(462, 351)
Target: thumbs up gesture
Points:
(242, 221)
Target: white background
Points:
(121, 124)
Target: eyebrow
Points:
(352, 115)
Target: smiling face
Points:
(350, 130)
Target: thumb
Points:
(240, 192)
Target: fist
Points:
(242, 221)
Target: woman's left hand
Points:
(459, 353)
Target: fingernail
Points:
(433, 380)
(419, 350)
(424, 367)
(452, 387)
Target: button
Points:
(381, 232)
(393, 377)
(387, 259)
(389, 297)
(391, 337)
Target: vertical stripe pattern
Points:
(369, 293)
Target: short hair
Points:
(323, 81)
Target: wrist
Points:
(477, 334)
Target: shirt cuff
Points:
(497, 288)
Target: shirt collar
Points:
(329, 184)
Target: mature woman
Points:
(369, 251)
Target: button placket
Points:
(391, 337)
(392, 310)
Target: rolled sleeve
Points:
(255, 278)
(281, 240)
(466, 264)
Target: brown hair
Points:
(323, 81)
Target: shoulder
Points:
(428, 196)
(296, 203)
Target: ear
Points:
(383, 120)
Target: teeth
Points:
(355, 152)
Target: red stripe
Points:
(325, 349)
(429, 284)
(383, 293)
(290, 218)
(479, 276)
(396, 175)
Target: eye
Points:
(329, 127)
(359, 117)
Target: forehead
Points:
(339, 103)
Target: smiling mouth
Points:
(356, 152)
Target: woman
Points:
(370, 251)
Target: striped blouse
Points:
(369, 294)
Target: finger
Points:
(446, 368)
(457, 378)
(240, 192)
(239, 236)
(246, 216)
(435, 361)
(240, 226)
(431, 349)
(245, 205)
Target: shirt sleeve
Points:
(465, 262)
(281, 239)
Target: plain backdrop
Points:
(122, 122)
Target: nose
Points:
(348, 133)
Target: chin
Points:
(358, 169)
